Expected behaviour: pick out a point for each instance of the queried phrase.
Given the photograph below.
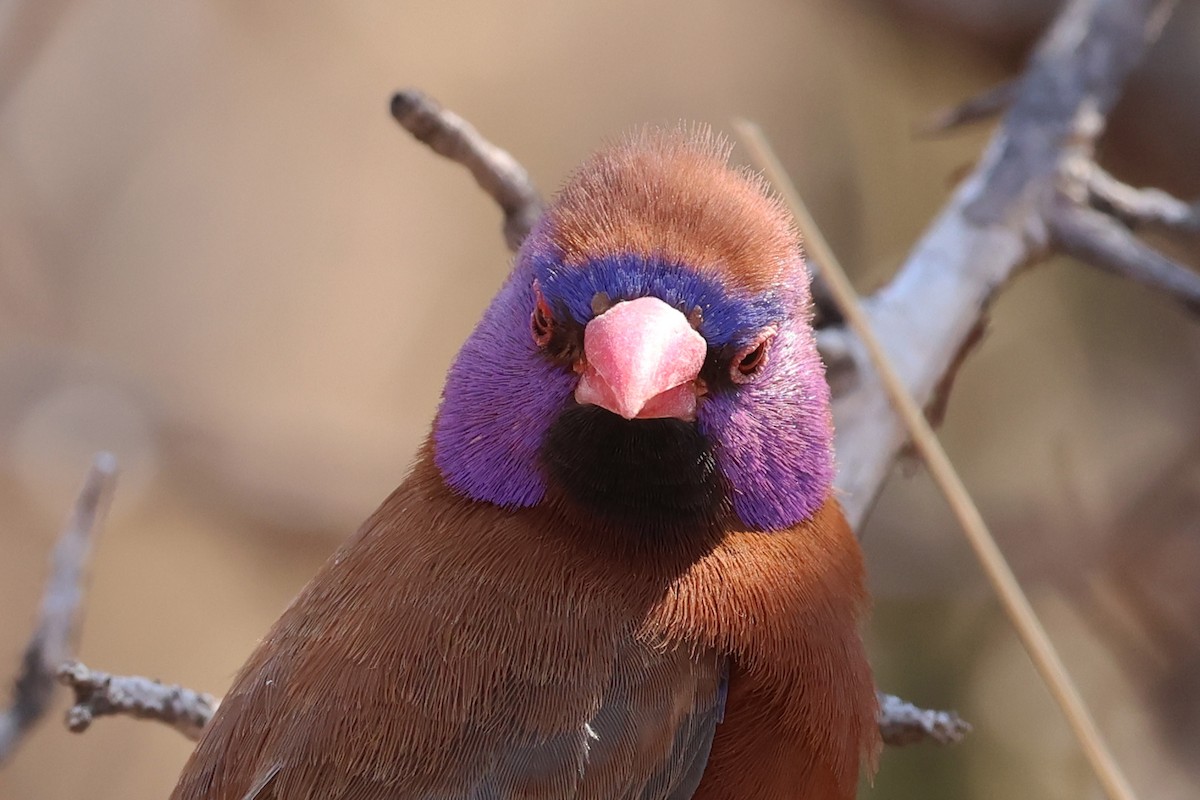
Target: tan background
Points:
(220, 258)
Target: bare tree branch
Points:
(994, 225)
(1101, 241)
(54, 637)
(98, 694)
(496, 172)
(902, 723)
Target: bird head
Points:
(651, 356)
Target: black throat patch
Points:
(651, 473)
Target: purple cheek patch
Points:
(501, 396)
(773, 437)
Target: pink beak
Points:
(642, 359)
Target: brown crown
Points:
(672, 194)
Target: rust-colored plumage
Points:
(671, 194)
(559, 602)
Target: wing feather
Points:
(431, 659)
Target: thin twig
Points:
(494, 169)
(1033, 636)
(1136, 206)
(1101, 241)
(54, 638)
(986, 105)
(98, 694)
(901, 723)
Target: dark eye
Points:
(541, 321)
(750, 360)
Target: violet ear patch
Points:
(773, 437)
(501, 396)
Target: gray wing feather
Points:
(649, 740)
(261, 790)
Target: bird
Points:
(618, 567)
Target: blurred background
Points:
(222, 260)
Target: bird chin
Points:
(654, 474)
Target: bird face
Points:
(650, 357)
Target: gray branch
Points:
(902, 723)
(986, 105)
(54, 638)
(1097, 239)
(496, 172)
(997, 222)
(98, 694)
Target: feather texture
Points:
(670, 194)
(502, 660)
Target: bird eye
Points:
(541, 321)
(750, 360)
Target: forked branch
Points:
(98, 694)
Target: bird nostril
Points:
(601, 302)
